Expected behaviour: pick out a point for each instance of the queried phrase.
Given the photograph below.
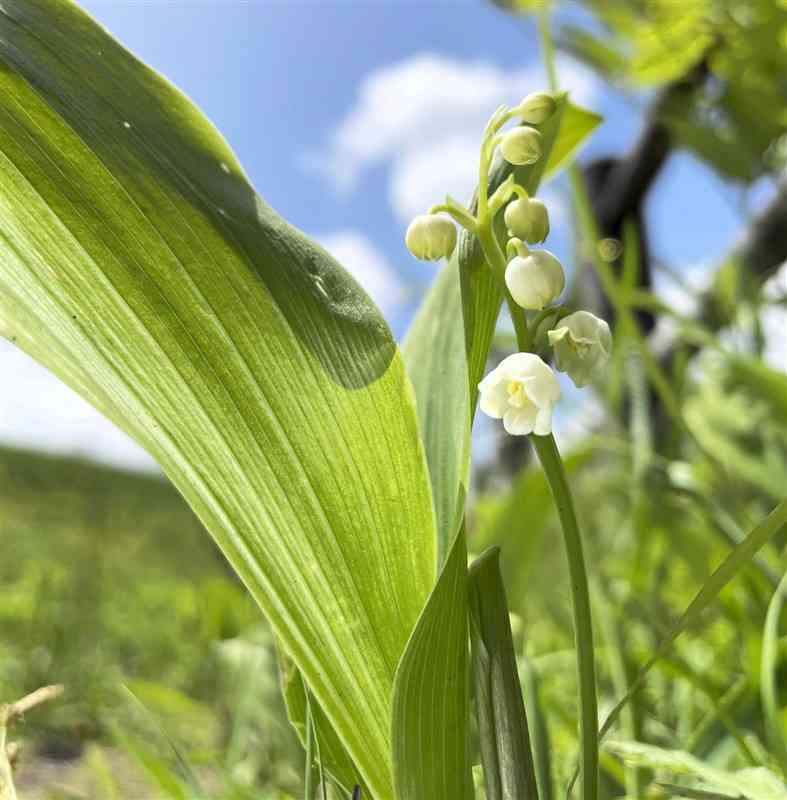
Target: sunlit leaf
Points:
(139, 265)
(576, 125)
(431, 697)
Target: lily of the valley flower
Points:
(521, 145)
(582, 344)
(536, 108)
(522, 391)
(536, 280)
(431, 237)
(528, 219)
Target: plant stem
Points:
(549, 456)
(552, 463)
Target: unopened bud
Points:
(535, 281)
(521, 146)
(536, 108)
(431, 237)
(527, 219)
(539, 222)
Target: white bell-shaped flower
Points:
(521, 145)
(522, 391)
(582, 343)
(536, 280)
(536, 108)
(431, 237)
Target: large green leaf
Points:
(434, 352)
(431, 694)
(576, 124)
(139, 265)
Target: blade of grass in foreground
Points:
(724, 573)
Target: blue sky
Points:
(349, 117)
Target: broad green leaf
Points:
(509, 771)
(139, 265)
(434, 353)
(431, 694)
(576, 125)
(755, 783)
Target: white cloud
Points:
(367, 265)
(424, 117)
(38, 411)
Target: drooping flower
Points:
(521, 145)
(431, 237)
(582, 343)
(536, 280)
(522, 391)
(528, 219)
(536, 108)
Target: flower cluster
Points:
(523, 389)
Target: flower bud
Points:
(517, 218)
(527, 219)
(431, 237)
(539, 222)
(535, 281)
(522, 391)
(536, 108)
(582, 344)
(521, 145)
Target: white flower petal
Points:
(493, 398)
(520, 421)
(543, 423)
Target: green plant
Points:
(331, 468)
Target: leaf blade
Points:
(138, 264)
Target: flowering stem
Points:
(548, 454)
(552, 464)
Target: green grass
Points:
(109, 585)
